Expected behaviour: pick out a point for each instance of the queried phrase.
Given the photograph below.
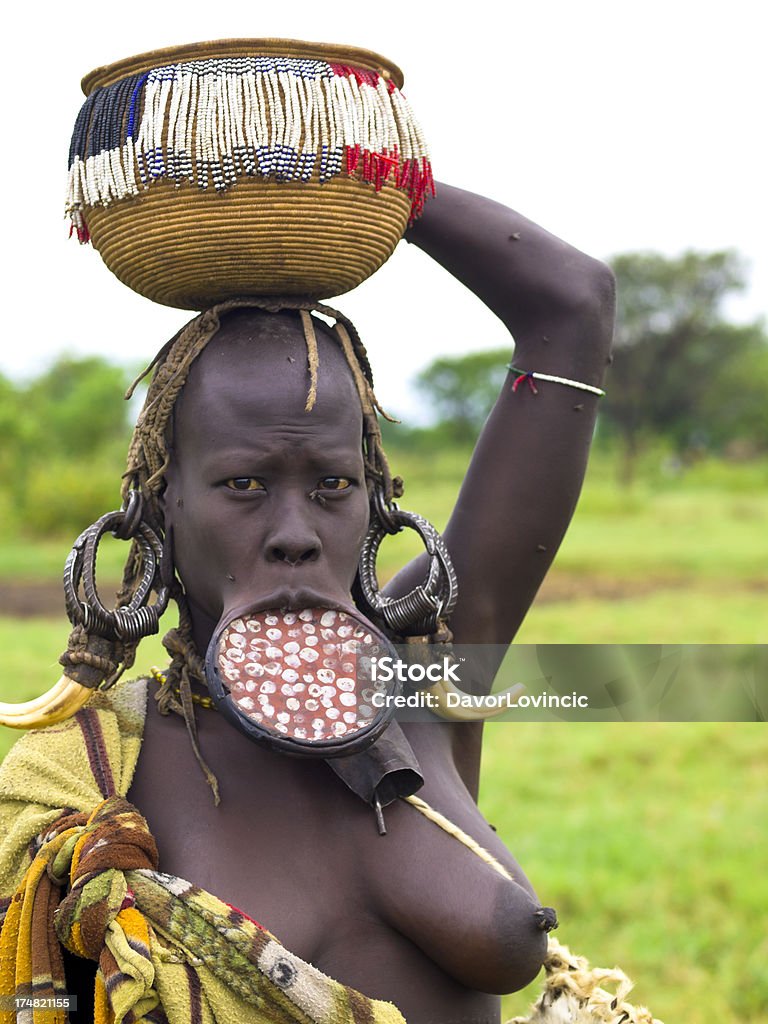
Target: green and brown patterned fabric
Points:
(79, 868)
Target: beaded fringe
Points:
(211, 122)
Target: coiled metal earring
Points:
(136, 619)
(421, 611)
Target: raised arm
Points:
(526, 472)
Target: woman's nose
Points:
(293, 543)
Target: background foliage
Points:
(681, 371)
(64, 440)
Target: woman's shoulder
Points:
(99, 745)
(70, 766)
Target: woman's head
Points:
(254, 458)
(252, 321)
(263, 496)
(255, 455)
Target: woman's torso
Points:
(291, 847)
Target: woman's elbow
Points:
(580, 298)
(590, 290)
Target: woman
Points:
(264, 500)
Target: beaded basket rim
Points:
(340, 53)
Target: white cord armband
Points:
(532, 375)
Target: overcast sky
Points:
(618, 126)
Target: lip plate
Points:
(357, 742)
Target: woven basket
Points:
(276, 167)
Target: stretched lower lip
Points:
(302, 673)
(290, 599)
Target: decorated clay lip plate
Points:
(301, 680)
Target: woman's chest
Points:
(280, 845)
(297, 852)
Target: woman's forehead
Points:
(247, 379)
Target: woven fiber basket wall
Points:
(245, 167)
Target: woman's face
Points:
(264, 498)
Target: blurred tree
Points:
(736, 407)
(9, 423)
(64, 438)
(462, 389)
(77, 405)
(680, 369)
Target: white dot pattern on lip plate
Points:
(299, 674)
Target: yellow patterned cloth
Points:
(78, 867)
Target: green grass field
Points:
(649, 839)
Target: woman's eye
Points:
(335, 483)
(244, 483)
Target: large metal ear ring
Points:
(427, 606)
(138, 618)
(128, 623)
